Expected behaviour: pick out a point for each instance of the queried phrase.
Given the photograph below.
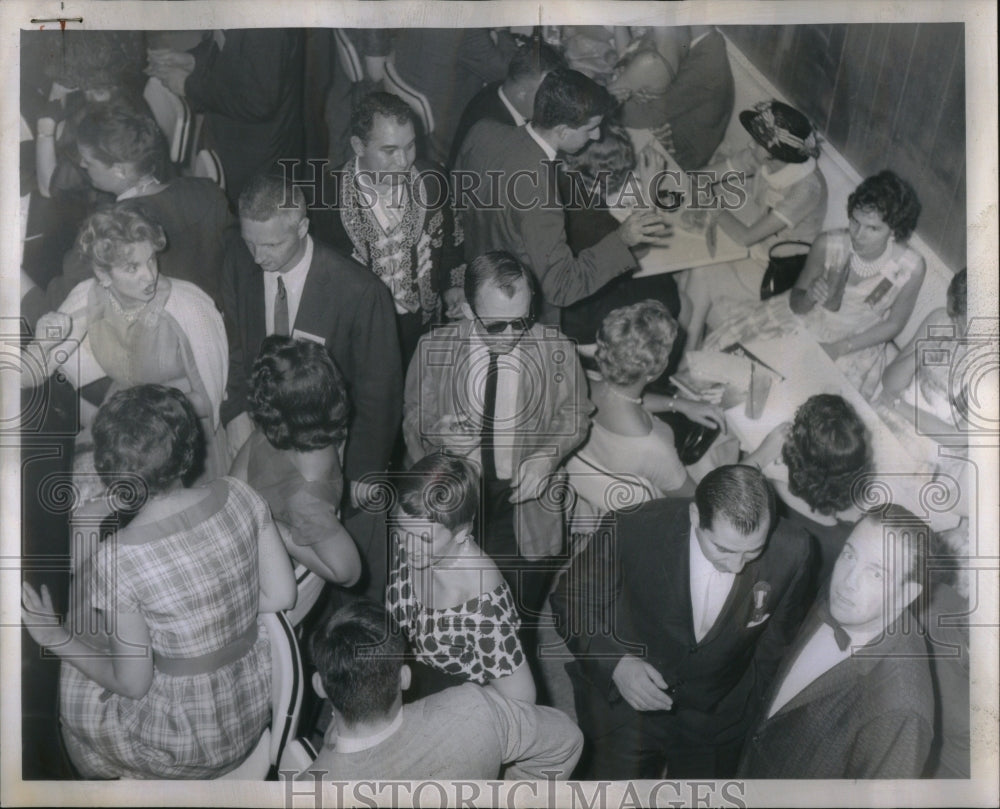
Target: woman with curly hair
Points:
(166, 674)
(299, 406)
(132, 325)
(857, 290)
(626, 441)
(814, 464)
(859, 285)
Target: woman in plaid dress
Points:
(175, 681)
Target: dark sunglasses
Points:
(521, 324)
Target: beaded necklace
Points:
(869, 269)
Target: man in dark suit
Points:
(678, 614)
(854, 696)
(328, 299)
(277, 279)
(511, 101)
(506, 194)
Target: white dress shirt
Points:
(519, 120)
(709, 589)
(820, 654)
(550, 153)
(294, 281)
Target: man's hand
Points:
(641, 685)
(453, 297)
(644, 226)
(171, 67)
(531, 480)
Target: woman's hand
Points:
(836, 349)
(41, 619)
(54, 327)
(819, 290)
(708, 415)
(770, 448)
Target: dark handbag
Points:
(691, 440)
(785, 263)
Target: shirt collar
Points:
(355, 744)
(519, 119)
(299, 271)
(699, 38)
(550, 153)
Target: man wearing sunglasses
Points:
(510, 395)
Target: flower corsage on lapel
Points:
(761, 594)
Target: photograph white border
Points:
(980, 18)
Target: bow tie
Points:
(839, 633)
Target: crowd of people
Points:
(421, 403)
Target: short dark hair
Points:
(739, 494)
(268, 195)
(534, 59)
(147, 431)
(385, 104)
(915, 534)
(958, 293)
(297, 395)
(892, 198)
(569, 98)
(442, 488)
(115, 134)
(105, 235)
(497, 268)
(826, 452)
(359, 653)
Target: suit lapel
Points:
(256, 325)
(678, 570)
(315, 311)
(742, 585)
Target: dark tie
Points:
(839, 633)
(489, 418)
(281, 309)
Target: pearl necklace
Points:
(633, 399)
(869, 269)
(128, 315)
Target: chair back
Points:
(310, 588)
(418, 102)
(207, 164)
(173, 115)
(287, 684)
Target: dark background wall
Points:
(885, 96)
